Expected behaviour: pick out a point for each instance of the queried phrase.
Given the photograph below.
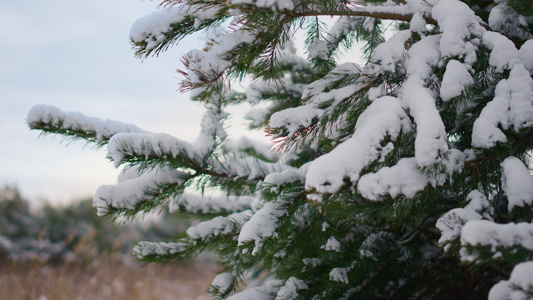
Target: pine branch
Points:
(142, 194)
(51, 120)
(394, 13)
(404, 17)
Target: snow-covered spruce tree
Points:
(403, 178)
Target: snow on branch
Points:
(266, 291)
(321, 102)
(486, 132)
(458, 23)
(198, 238)
(144, 146)
(526, 55)
(519, 285)
(223, 283)
(494, 236)
(206, 67)
(262, 89)
(505, 19)
(245, 166)
(317, 92)
(287, 176)
(521, 102)
(517, 183)
(431, 139)
(271, 4)
(339, 274)
(456, 79)
(204, 204)
(289, 291)
(143, 149)
(384, 12)
(512, 106)
(390, 11)
(291, 61)
(50, 119)
(294, 119)
(218, 226)
(452, 222)
(213, 131)
(144, 249)
(129, 194)
(384, 118)
(263, 225)
(340, 30)
(406, 178)
(503, 55)
(156, 31)
(387, 55)
(247, 145)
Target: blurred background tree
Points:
(71, 232)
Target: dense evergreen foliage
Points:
(405, 178)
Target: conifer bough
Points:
(405, 178)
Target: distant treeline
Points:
(74, 232)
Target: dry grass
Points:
(105, 278)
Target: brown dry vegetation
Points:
(50, 257)
(105, 278)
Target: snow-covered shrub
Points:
(406, 177)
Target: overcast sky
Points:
(76, 55)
